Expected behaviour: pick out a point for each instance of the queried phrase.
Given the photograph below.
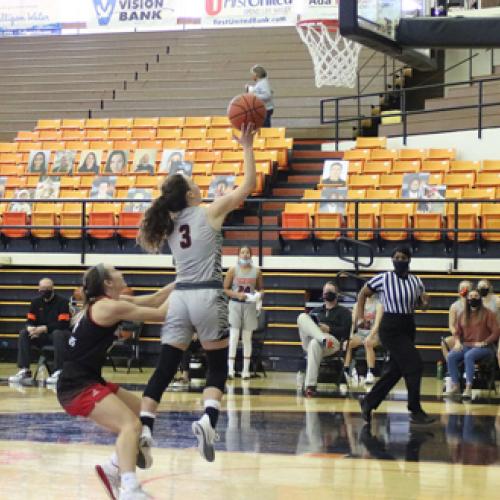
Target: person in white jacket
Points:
(262, 89)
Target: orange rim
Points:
(331, 24)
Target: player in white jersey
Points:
(198, 302)
(243, 286)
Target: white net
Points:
(335, 58)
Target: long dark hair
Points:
(157, 223)
(93, 283)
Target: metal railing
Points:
(352, 232)
(404, 113)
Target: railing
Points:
(404, 113)
(261, 228)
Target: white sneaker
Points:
(206, 435)
(134, 494)
(370, 378)
(146, 442)
(245, 376)
(22, 375)
(110, 479)
(52, 380)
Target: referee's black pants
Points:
(397, 336)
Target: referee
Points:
(399, 291)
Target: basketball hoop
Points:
(335, 58)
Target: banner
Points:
(29, 17)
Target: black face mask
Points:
(401, 267)
(329, 296)
(475, 303)
(483, 292)
(46, 294)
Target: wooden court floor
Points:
(274, 445)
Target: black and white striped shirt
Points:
(398, 295)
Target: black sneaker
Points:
(421, 418)
(366, 413)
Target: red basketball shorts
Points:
(83, 404)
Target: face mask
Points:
(475, 303)
(463, 292)
(329, 296)
(483, 292)
(46, 294)
(401, 267)
(244, 262)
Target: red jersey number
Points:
(186, 236)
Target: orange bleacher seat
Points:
(297, 215)
(377, 167)
(120, 123)
(479, 193)
(357, 154)
(194, 133)
(149, 144)
(383, 154)
(353, 194)
(14, 219)
(49, 135)
(96, 123)
(211, 156)
(311, 194)
(220, 121)
(272, 132)
(436, 178)
(129, 219)
(169, 133)
(405, 166)
(120, 134)
(101, 219)
(271, 156)
(8, 147)
(27, 135)
(10, 158)
(54, 146)
(31, 181)
(377, 194)
(491, 166)
(147, 181)
(490, 219)
(146, 122)
(468, 214)
(412, 154)
(26, 147)
(440, 166)
(200, 144)
(97, 134)
(104, 207)
(202, 181)
(197, 121)
(454, 193)
(171, 122)
(355, 166)
(125, 181)
(219, 133)
(48, 124)
(465, 180)
(73, 135)
(175, 144)
(126, 145)
(371, 142)
(68, 181)
(77, 145)
(76, 194)
(202, 168)
(46, 208)
(226, 144)
(279, 143)
(103, 145)
(43, 219)
(231, 156)
(325, 221)
(143, 133)
(457, 166)
(367, 220)
(72, 123)
(441, 154)
(229, 168)
(395, 216)
(264, 167)
(364, 181)
(488, 179)
(427, 221)
(70, 219)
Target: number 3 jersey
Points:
(196, 247)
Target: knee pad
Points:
(170, 358)
(217, 368)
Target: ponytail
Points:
(93, 284)
(157, 224)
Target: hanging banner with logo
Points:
(29, 17)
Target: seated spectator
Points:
(321, 333)
(364, 333)
(48, 323)
(490, 300)
(476, 333)
(456, 309)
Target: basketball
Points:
(244, 109)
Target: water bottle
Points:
(439, 370)
(42, 376)
(300, 380)
(354, 376)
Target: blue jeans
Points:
(470, 355)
